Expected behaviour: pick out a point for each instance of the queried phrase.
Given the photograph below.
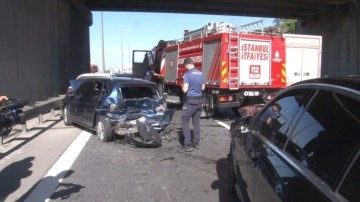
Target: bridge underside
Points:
(45, 43)
(338, 21)
(258, 8)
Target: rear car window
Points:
(325, 137)
(139, 92)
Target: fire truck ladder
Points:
(258, 27)
(253, 27)
(233, 59)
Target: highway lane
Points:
(118, 172)
(26, 157)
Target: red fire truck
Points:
(235, 64)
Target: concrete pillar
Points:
(340, 29)
(43, 44)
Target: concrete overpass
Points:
(44, 43)
(257, 8)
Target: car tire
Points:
(66, 116)
(103, 130)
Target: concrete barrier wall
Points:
(43, 44)
(340, 29)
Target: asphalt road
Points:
(113, 171)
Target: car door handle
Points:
(306, 74)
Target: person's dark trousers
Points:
(191, 109)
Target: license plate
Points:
(251, 93)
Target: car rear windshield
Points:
(139, 92)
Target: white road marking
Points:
(51, 180)
(222, 124)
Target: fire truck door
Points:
(303, 57)
(171, 65)
(139, 65)
(301, 64)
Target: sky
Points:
(129, 31)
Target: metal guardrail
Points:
(42, 107)
(38, 109)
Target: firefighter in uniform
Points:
(192, 88)
(153, 72)
(159, 52)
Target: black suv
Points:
(304, 145)
(120, 107)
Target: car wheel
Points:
(103, 130)
(66, 116)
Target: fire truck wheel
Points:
(209, 113)
(236, 111)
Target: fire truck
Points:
(236, 64)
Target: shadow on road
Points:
(49, 187)
(27, 139)
(222, 169)
(65, 190)
(10, 176)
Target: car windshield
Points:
(139, 92)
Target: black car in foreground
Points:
(117, 107)
(304, 145)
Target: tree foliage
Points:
(287, 25)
